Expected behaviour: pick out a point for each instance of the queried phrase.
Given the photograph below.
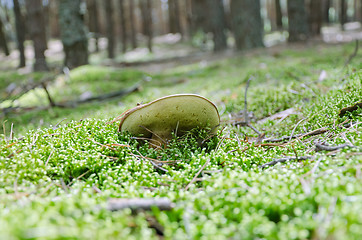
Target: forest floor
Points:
(291, 170)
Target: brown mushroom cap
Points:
(171, 114)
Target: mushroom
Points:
(174, 114)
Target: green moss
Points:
(55, 180)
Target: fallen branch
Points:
(197, 174)
(322, 147)
(115, 204)
(246, 121)
(352, 55)
(69, 104)
(352, 108)
(288, 138)
(286, 159)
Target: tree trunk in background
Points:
(123, 20)
(271, 14)
(146, 12)
(132, 24)
(73, 33)
(279, 15)
(199, 16)
(247, 24)
(297, 21)
(188, 18)
(174, 16)
(326, 4)
(343, 13)
(20, 32)
(93, 21)
(36, 27)
(358, 10)
(315, 17)
(53, 19)
(110, 28)
(3, 42)
(217, 21)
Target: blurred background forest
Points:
(41, 35)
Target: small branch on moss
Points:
(286, 159)
(246, 101)
(352, 55)
(163, 204)
(323, 147)
(50, 99)
(352, 108)
(197, 174)
(286, 138)
(246, 121)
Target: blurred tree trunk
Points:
(279, 15)
(218, 26)
(73, 33)
(271, 14)
(315, 17)
(3, 42)
(247, 24)
(110, 28)
(188, 9)
(36, 26)
(132, 24)
(174, 16)
(326, 4)
(20, 32)
(93, 21)
(199, 16)
(358, 10)
(52, 18)
(146, 12)
(297, 21)
(343, 13)
(123, 20)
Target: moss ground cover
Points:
(55, 179)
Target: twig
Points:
(321, 147)
(11, 132)
(56, 125)
(46, 163)
(285, 138)
(246, 117)
(197, 174)
(50, 99)
(153, 134)
(4, 129)
(115, 204)
(352, 108)
(150, 160)
(96, 189)
(290, 138)
(246, 121)
(352, 55)
(275, 161)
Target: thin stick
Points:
(4, 129)
(246, 117)
(46, 163)
(197, 174)
(153, 133)
(275, 161)
(115, 204)
(290, 138)
(50, 99)
(352, 55)
(321, 147)
(11, 132)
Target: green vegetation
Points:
(55, 178)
